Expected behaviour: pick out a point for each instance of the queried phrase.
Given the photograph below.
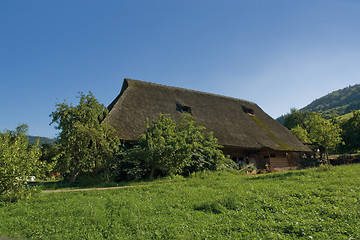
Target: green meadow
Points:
(319, 203)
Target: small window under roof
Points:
(248, 110)
(183, 108)
(186, 109)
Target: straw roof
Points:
(234, 122)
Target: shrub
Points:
(168, 147)
(19, 160)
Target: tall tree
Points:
(301, 134)
(311, 127)
(324, 132)
(86, 144)
(297, 118)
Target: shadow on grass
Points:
(63, 184)
(218, 206)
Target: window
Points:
(273, 155)
(183, 108)
(186, 109)
(249, 111)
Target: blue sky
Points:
(278, 53)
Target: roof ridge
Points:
(189, 90)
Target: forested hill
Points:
(33, 139)
(338, 102)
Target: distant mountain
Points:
(33, 139)
(337, 103)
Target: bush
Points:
(167, 148)
(19, 160)
(248, 168)
(311, 162)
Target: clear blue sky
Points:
(277, 53)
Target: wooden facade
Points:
(262, 159)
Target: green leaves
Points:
(323, 132)
(167, 147)
(86, 144)
(313, 128)
(18, 160)
(351, 134)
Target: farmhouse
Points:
(247, 133)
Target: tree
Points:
(86, 145)
(314, 129)
(301, 134)
(167, 147)
(323, 132)
(18, 159)
(297, 118)
(203, 147)
(351, 133)
(50, 154)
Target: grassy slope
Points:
(296, 204)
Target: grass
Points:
(319, 203)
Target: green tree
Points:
(297, 118)
(86, 145)
(167, 147)
(314, 129)
(203, 148)
(50, 154)
(351, 133)
(323, 132)
(301, 134)
(18, 159)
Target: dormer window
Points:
(249, 111)
(186, 109)
(183, 108)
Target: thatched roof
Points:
(234, 122)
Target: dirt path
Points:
(91, 189)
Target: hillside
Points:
(337, 103)
(33, 139)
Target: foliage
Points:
(167, 147)
(337, 103)
(300, 133)
(203, 148)
(314, 129)
(311, 162)
(351, 133)
(248, 168)
(86, 145)
(297, 118)
(19, 160)
(50, 154)
(323, 132)
(303, 204)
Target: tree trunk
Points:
(152, 173)
(73, 176)
(327, 156)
